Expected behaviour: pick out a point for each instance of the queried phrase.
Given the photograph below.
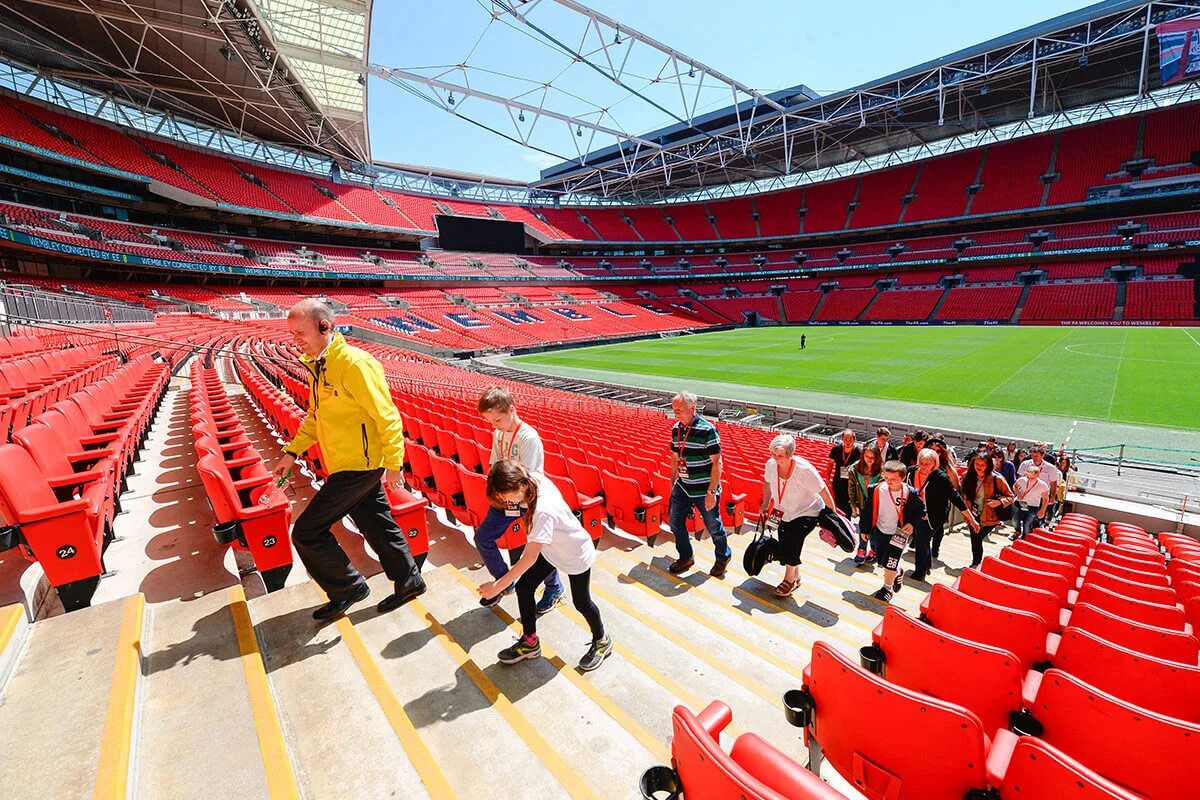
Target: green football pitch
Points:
(1122, 377)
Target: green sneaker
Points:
(520, 651)
(596, 654)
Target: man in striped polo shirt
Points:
(695, 483)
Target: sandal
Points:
(785, 588)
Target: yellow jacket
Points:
(350, 413)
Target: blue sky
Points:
(765, 44)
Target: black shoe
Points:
(681, 565)
(718, 568)
(918, 577)
(898, 584)
(488, 602)
(410, 592)
(335, 608)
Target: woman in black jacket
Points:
(938, 492)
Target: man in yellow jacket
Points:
(352, 417)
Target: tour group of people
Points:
(901, 496)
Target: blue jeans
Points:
(1025, 521)
(681, 508)
(487, 534)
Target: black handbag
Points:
(761, 551)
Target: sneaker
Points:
(596, 654)
(860, 557)
(898, 584)
(870, 559)
(520, 651)
(884, 594)
(488, 602)
(549, 601)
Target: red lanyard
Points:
(899, 506)
(1029, 487)
(683, 439)
(781, 482)
(921, 488)
(511, 442)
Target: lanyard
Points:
(512, 441)
(924, 483)
(899, 506)
(683, 439)
(781, 482)
(1029, 487)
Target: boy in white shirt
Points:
(513, 440)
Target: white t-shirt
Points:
(523, 446)
(1050, 473)
(801, 491)
(888, 518)
(565, 544)
(1036, 492)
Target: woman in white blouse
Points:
(795, 499)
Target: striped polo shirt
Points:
(695, 466)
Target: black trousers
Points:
(923, 537)
(581, 597)
(977, 543)
(841, 495)
(360, 496)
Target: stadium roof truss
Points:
(283, 71)
(1098, 58)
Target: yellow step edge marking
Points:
(741, 641)
(277, 765)
(690, 698)
(567, 778)
(622, 718)
(112, 774)
(820, 631)
(10, 618)
(744, 681)
(423, 761)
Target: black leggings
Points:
(977, 542)
(792, 534)
(581, 597)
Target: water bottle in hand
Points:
(276, 494)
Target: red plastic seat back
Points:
(1137, 576)
(873, 744)
(753, 771)
(22, 483)
(1159, 616)
(585, 477)
(1003, 593)
(1050, 582)
(1162, 595)
(1037, 771)
(1151, 754)
(1172, 645)
(1019, 632)
(1166, 687)
(986, 680)
(1066, 571)
(1049, 552)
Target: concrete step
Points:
(466, 733)
(56, 707)
(197, 738)
(580, 735)
(340, 740)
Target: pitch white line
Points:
(1189, 335)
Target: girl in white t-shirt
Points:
(795, 501)
(554, 540)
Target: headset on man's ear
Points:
(323, 326)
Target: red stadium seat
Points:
(1037, 771)
(1148, 753)
(588, 510)
(1159, 616)
(986, 680)
(1166, 687)
(1019, 632)
(1161, 595)
(409, 512)
(753, 770)
(632, 511)
(842, 728)
(998, 591)
(1172, 645)
(1034, 578)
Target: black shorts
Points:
(791, 539)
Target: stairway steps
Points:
(592, 755)
(57, 698)
(467, 737)
(329, 715)
(193, 661)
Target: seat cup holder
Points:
(1023, 723)
(10, 537)
(798, 707)
(871, 658)
(660, 783)
(226, 532)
